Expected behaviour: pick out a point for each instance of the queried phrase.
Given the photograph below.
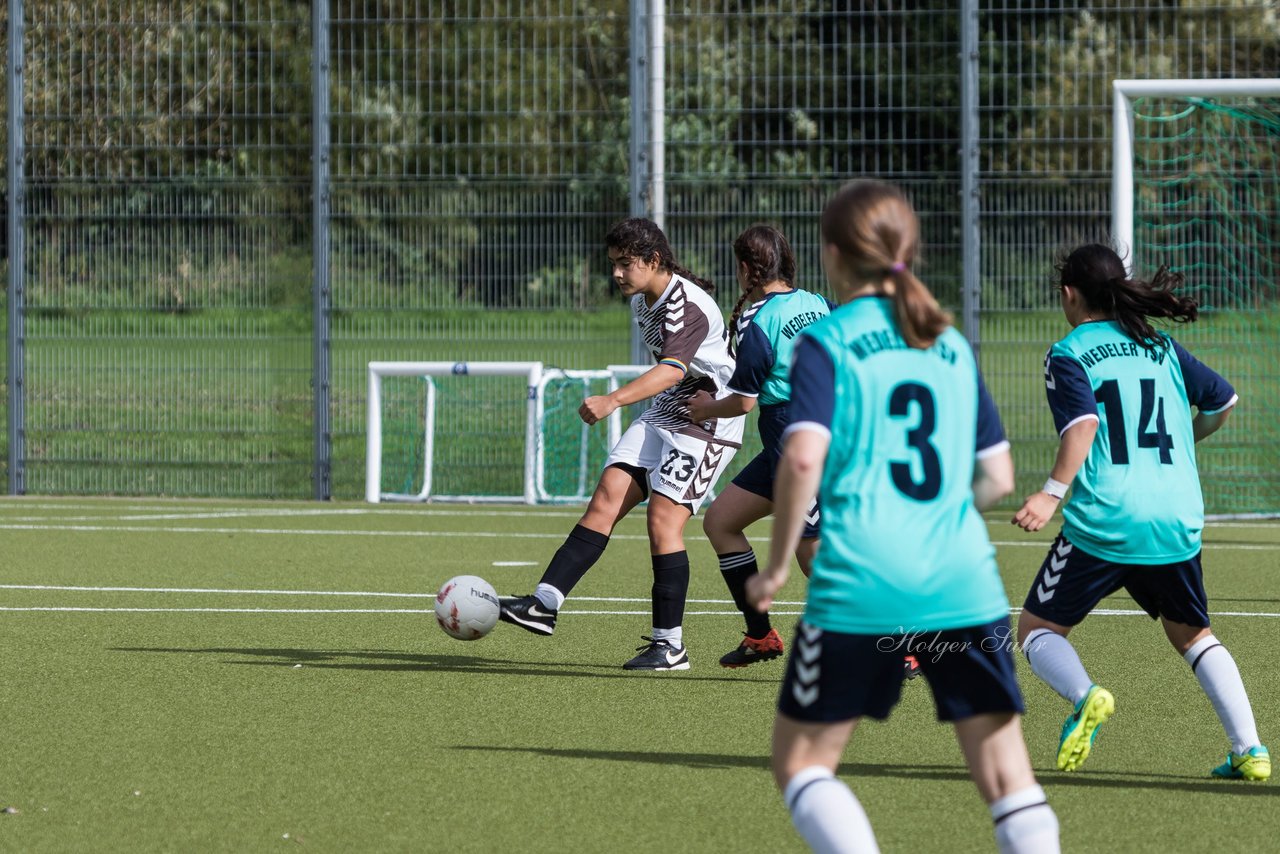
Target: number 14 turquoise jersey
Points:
(1137, 497)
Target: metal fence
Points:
(218, 213)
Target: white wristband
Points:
(1056, 488)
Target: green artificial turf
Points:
(207, 709)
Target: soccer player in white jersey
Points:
(1121, 395)
(893, 429)
(663, 456)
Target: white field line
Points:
(559, 535)
(1104, 612)
(310, 532)
(1207, 545)
(234, 514)
(349, 611)
(1101, 612)
(169, 513)
(261, 592)
(231, 591)
(227, 610)
(112, 512)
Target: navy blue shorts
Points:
(756, 477)
(1071, 583)
(834, 676)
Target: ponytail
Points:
(733, 322)
(920, 319)
(1098, 274)
(768, 258)
(878, 234)
(706, 284)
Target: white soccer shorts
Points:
(682, 468)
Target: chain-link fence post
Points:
(17, 265)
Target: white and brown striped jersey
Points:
(685, 329)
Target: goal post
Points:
(544, 491)
(479, 416)
(1195, 187)
(1125, 92)
(378, 371)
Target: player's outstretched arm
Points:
(1073, 450)
(657, 379)
(704, 407)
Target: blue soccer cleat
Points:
(1081, 727)
(1253, 764)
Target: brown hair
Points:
(878, 234)
(1098, 273)
(641, 238)
(769, 258)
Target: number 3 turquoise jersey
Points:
(1137, 497)
(904, 549)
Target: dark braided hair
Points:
(1098, 273)
(733, 321)
(641, 238)
(769, 258)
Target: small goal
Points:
(500, 432)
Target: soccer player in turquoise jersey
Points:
(765, 324)
(893, 429)
(1121, 395)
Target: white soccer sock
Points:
(550, 597)
(1054, 659)
(675, 636)
(1025, 823)
(1216, 670)
(827, 813)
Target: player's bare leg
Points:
(823, 809)
(1001, 769)
(733, 511)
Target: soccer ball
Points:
(467, 607)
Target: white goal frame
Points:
(373, 493)
(537, 378)
(1125, 91)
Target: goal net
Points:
(486, 431)
(1196, 187)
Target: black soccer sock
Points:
(737, 567)
(670, 588)
(581, 549)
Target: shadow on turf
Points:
(1101, 779)
(386, 660)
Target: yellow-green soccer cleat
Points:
(1081, 727)
(1253, 764)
